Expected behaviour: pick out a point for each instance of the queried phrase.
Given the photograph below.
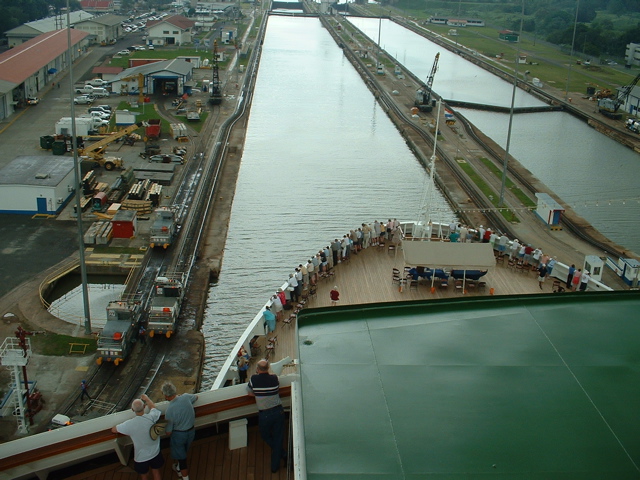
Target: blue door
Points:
(42, 205)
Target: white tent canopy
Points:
(459, 256)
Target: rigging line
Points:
(386, 402)
(587, 395)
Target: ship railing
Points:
(39, 454)
(255, 328)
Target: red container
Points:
(124, 224)
(152, 130)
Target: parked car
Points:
(97, 82)
(168, 158)
(99, 109)
(33, 101)
(123, 52)
(83, 100)
(100, 115)
(105, 107)
(151, 47)
(139, 47)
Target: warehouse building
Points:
(36, 185)
(103, 29)
(28, 68)
(169, 77)
(27, 31)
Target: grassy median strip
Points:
(488, 192)
(523, 197)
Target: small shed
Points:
(509, 36)
(125, 118)
(594, 265)
(124, 224)
(629, 271)
(32, 185)
(549, 211)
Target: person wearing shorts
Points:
(147, 454)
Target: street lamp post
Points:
(76, 171)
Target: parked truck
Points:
(168, 291)
(91, 90)
(84, 126)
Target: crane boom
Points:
(95, 151)
(609, 106)
(423, 95)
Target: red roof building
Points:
(97, 5)
(31, 66)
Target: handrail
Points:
(53, 449)
(56, 274)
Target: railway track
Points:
(478, 199)
(112, 387)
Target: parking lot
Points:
(20, 135)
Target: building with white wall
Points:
(31, 66)
(632, 54)
(103, 28)
(27, 31)
(32, 185)
(173, 30)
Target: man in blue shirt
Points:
(181, 417)
(266, 388)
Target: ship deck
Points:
(209, 458)
(367, 278)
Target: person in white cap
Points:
(584, 280)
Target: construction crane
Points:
(423, 95)
(609, 106)
(95, 151)
(215, 93)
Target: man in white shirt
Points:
(147, 454)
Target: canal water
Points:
(587, 170)
(321, 157)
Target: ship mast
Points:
(428, 206)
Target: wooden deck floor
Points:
(209, 458)
(365, 278)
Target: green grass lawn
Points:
(59, 345)
(523, 197)
(488, 192)
(146, 112)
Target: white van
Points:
(100, 92)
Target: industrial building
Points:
(103, 29)
(27, 31)
(28, 68)
(36, 185)
(165, 77)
